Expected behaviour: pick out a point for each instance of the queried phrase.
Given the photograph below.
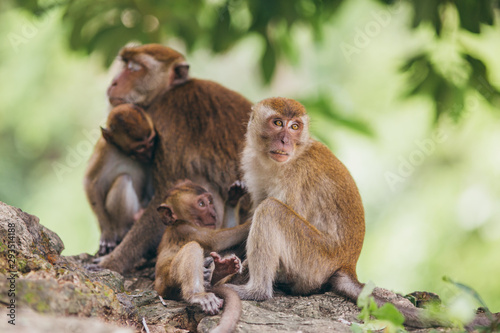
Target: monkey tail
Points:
(347, 285)
(232, 309)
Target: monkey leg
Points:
(187, 271)
(282, 241)
(141, 241)
(122, 204)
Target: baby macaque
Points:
(118, 178)
(189, 213)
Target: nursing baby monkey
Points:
(189, 213)
(308, 224)
(118, 178)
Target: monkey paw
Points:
(209, 303)
(236, 191)
(106, 246)
(225, 266)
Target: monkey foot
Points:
(209, 303)
(225, 266)
(106, 247)
(246, 293)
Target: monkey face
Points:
(284, 134)
(143, 150)
(190, 203)
(203, 211)
(148, 71)
(141, 79)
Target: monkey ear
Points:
(180, 75)
(166, 213)
(106, 134)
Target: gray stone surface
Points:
(53, 293)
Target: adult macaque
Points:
(308, 225)
(200, 127)
(117, 180)
(190, 235)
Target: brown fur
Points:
(117, 180)
(200, 127)
(185, 244)
(308, 226)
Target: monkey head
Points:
(131, 130)
(278, 129)
(189, 202)
(148, 71)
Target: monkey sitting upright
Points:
(190, 216)
(117, 180)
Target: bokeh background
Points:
(404, 92)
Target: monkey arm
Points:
(223, 239)
(96, 196)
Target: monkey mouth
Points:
(279, 155)
(115, 101)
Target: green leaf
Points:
(468, 11)
(479, 81)
(427, 11)
(356, 328)
(390, 313)
(486, 14)
(467, 290)
(412, 299)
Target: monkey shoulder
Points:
(215, 96)
(217, 90)
(323, 161)
(321, 169)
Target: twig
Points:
(145, 325)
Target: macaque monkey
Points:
(308, 225)
(117, 180)
(189, 213)
(200, 126)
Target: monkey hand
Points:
(209, 303)
(225, 266)
(235, 192)
(208, 269)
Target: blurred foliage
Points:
(105, 26)
(445, 16)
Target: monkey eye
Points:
(201, 203)
(278, 122)
(133, 66)
(295, 127)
